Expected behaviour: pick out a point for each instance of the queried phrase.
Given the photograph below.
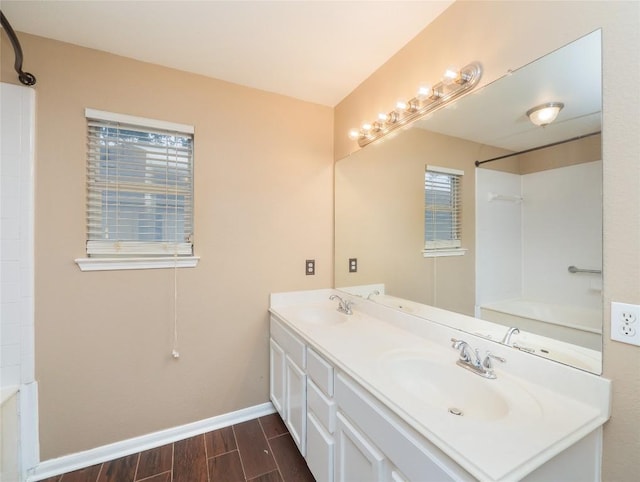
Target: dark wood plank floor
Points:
(259, 450)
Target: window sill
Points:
(112, 264)
(436, 253)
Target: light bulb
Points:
(401, 105)
(382, 117)
(450, 76)
(354, 134)
(546, 115)
(366, 127)
(424, 91)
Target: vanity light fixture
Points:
(544, 114)
(454, 84)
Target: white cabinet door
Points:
(320, 450)
(277, 379)
(356, 458)
(296, 403)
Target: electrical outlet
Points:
(353, 265)
(310, 266)
(625, 326)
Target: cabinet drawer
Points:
(320, 372)
(290, 343)
(414, 456)
(323, 408)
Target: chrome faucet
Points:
(470, 359)
(374, 292)
(344, 306)
(510, 332)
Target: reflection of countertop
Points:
(551, 406)
(560, 351)
(575, 317)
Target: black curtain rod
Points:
(478, 163)
(25, 77)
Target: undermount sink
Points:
(448, 388)
(318, 315)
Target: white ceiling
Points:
(314, 50)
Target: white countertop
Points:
(551, 406)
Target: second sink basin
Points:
(448, 388)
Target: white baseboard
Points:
(68, 463)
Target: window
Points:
(442, 211)
(139, 187)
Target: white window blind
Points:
(442, 208)
(140, 187)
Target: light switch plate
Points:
(625, 323)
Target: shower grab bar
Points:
(25, 77)
(573, 269)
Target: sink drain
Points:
(456, 411)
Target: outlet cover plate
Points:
(310, 267)
(353, 265)
(625, 323)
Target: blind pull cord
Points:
(174, 352)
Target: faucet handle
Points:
(458, 344)
(488, 364)
(464, 349)
(347, 306)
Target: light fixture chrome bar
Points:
(467, 78)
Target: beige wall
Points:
(263, 204)
(584, 150)
(504, 35)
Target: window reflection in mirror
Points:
(442, 211)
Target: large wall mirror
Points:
(531, 220)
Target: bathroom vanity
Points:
(377, 395)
